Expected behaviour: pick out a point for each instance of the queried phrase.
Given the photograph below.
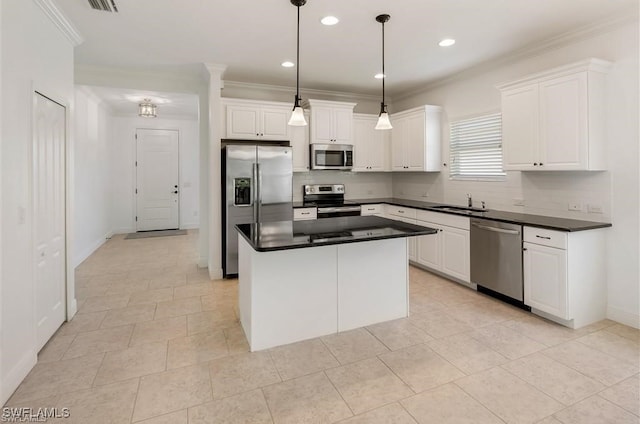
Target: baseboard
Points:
(471, 286)
(215, 274)
(632, 319)
(123, 231)
(89, 250)
(72, 308)
(17, 374)
(192, 226)
(203, 263)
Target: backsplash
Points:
(543, 193)
(358, 185)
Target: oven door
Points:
(338, 211)
(331, 156)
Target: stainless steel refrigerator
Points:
(257, 187)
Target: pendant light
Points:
(146, 109)
(297, 116)
(383, 118)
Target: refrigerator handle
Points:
(256, 190)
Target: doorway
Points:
(157, 180)
(49, 215)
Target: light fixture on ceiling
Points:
(329, 20)
(146, 109)
(383, 119)
(447, 42)
(288, 64)
(297, 116)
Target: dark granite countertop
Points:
(285, 235)
(541, 221)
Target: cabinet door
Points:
(321, 124)
(243, 122)
(299, 139)
(415, 143)
(379, 150)
(520, 128)
(411, 241)
(429, 251)
(456, 253)
(274, 123)
(362, 139)
(343, 126)
(545, 279)
(398, 137)
(563, 123)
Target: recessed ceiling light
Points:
(288, 64)
(447, 42)
(380, 76)
(329, 20)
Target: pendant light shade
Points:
(297, 116)
(383, 119)
(146, 109)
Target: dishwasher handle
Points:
(495, 229)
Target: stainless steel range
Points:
(329, 198)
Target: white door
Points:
(49, 149)
(429, 247)
(274, 123)
(157, 191)
(456, 253)
(342, 126)
(415, 142)
(520, 128)
(545, 279)
(398, 141)
(243, 122)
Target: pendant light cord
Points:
(383, 74)
(298, 62)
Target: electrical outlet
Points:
(594, 208)
(575, 206)
(518, 202)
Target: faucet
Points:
(469, 201)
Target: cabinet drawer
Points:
(544, 237)
(301, 214)
(406, 213)
(371, 210)
(455, 221)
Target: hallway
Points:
(156, 342)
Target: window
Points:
(476, 148)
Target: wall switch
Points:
(594, 208)
(575, 206)
(518, 202)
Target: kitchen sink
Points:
(462, 209)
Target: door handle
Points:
(175, 192)
(496, 230)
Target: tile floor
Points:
(155, 341)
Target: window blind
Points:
(475, 148)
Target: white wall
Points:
(122, 158)
(548, 193)
(93, 134)
(34, 54)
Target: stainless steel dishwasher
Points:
(496, 259)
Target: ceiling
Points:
(254, 37)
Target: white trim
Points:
(59, 20)
(632, 319)
(190, 226)
(17, 374)
(92, 248)
(214, 273)
(591, 64)
(306, 92)
(124, 230)
(570, 37)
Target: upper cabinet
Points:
(415, 139)
(253, 120)
(371, 146)
(299, 139)
(554, 120)
(331, 122)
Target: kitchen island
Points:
(300, 280)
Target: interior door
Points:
(49, 222)
(157, 176)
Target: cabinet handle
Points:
(542, 237)
(257, 134)
(540, 163)
(535, 164)
(400, 211)
(524, 249)
(305, 213)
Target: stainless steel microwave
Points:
(331, 156)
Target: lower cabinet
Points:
(565, 276)
(446, 252)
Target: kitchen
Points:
(466, 95)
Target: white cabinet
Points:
(415, 139)
(331, 122)
(376, 210)
(447, 251)
(305, 214)
(564, 275)
(299, 139)
(371, 146)
(407, 215)
(253, 120)
(554, 120)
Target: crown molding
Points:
(309, 92)
(59, 20)
(570, 37)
